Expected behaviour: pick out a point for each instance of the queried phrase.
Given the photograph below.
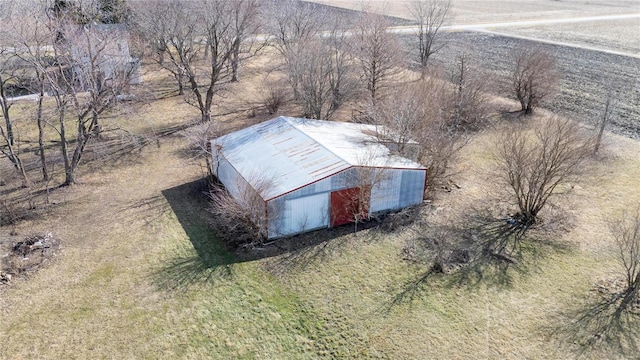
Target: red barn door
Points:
(346, 203)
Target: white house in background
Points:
(105, 44)
(312, 174)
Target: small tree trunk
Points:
(179, 79)
(69, 172)
(70, 177)
(5, 113)
(235, 60)
(603, 123)
(43, 160)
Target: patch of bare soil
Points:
(27, 255)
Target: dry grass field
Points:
(140, 274)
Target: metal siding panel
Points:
(276, 213)
(411, 188)
(305, 213)
(228, 176)
(385, 194)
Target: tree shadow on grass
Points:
(207, 259)
(504, 251)
(483, 252)
(601, 323)
(413, 290)
(303, 251)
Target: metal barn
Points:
(311, 174)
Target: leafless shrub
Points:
(626, 235)
(199, 137)
(534, 166)
(240, 218)
(533, 77)
(273, 95)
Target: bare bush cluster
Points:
(533, 77)
(433, 115)
(535, 163)
(199, 137)
(273, 95)
(240, 217)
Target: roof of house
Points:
(294, 152)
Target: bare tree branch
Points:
(430, 15)
(533, 167)
(379, 53)
(533, 77)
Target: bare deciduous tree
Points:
(32, 36)
(202, 41)
(533, 166)
(533, 77)
(379, 53)
(292, 22)
(314, 68)
(86, 81)
(11, 71)
(430, 16)
(626, 234)
(421, 112)
(326, 77)
(170, 31)
(205, 78)
(470, 97)
(294, 25)
(244, 24)
(402, 117)
(319, 65)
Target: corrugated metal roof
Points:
(294, 152)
